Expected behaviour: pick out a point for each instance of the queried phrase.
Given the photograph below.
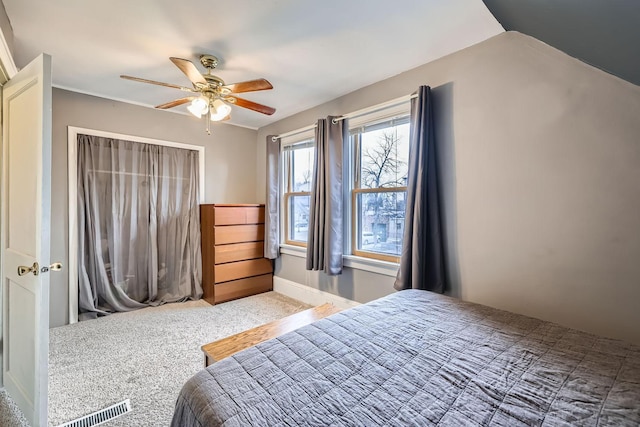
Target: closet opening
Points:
(134, 229)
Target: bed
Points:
(415, 358)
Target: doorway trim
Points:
(72, 150)
(8, 69)
(7, 65)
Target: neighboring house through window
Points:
(380, 152)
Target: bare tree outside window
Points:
(305, 182)
(381, 166)
(380, 189)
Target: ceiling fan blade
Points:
(240, 102)
(175, 103)
(153, 82)
(189, 70)
(249, 86)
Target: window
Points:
(374, 186)
(380, 153)
(298, 168)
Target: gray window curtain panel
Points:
(272, 208)
(324, 244)
(138, 225)
(422, 259)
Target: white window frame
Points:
(285, 185)
(352, 185)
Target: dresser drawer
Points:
(239, 215)
(242, 269)
(238, 233)
(243, 287)
(238, 252)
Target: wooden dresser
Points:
(232, 252)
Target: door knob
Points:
(22, 269)
(56, 266)
(35, 269)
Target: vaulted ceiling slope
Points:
(311, 51)
(603, 33)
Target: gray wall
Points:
(227, 177)
(5, 26)
(354, 284)
(541, 173)
(602, 33)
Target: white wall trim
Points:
(292, 250)
(372, 265)
(6, 59)
(352, 261)
(310, 295)
(72, 150)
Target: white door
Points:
(26, 196)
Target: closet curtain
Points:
(138, 225)
(422, 258)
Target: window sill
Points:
(351, 261)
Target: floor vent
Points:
(102, 416)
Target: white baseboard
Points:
(309, 295)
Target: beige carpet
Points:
(10, 415)
(144, 356)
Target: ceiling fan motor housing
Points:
(209, 61)
(213, 80)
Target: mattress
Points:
(415, 358)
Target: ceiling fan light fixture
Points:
(219, 110)
(209, 95)
(199, 107)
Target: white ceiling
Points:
(312, 51)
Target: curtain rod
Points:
(293, 132)
(371, 109)
(353, 114)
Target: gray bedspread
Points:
(416, 358)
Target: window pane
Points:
(383, 156)
(298, 218)
(302, 166)
(380, 218)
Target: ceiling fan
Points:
(211, 97)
